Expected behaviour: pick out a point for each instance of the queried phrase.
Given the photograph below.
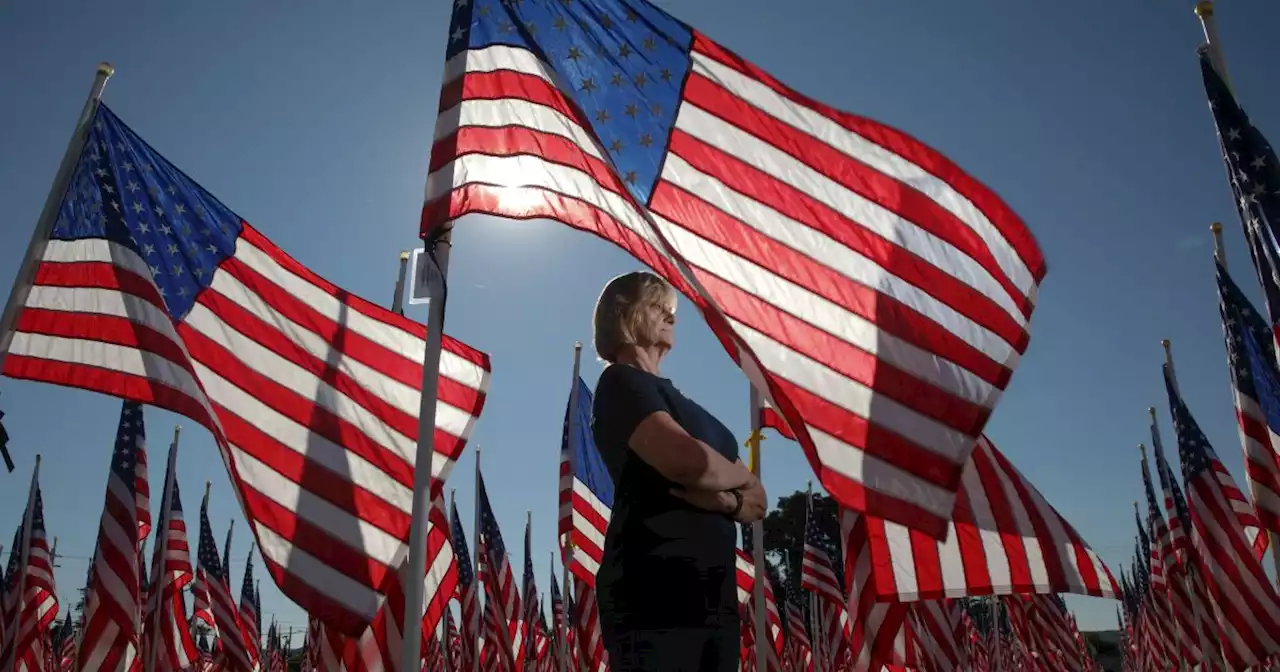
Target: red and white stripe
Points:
(1004, 538)
(586, 616)
(896, 301)
(1245, 603)
(503, 597)
(320, 442)
(746, 573)
(799, 647)
(113, 601)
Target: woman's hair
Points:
(620, 311)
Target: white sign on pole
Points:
(421, 274)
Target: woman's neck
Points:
(646, 359)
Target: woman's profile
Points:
(666, 584)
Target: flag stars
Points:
(137, 208)
(616, 146)
(575, 53)
(132, 186)
(589, 85)
(624, 51)
(646, 140)
(560, 24)
(631, 110)
(616, 79)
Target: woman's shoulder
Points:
(621, 377)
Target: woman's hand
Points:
(754, 502)
(721, 502)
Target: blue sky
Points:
(313, 121)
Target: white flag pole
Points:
(49, 215)
(438, 248)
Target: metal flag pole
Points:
(49, 215)
(24, 553)
(438, 247)
(475, 567)
(1220, 253)
(530, 625)
(757, 544)
(1209, 24)
(566, 541)
(397, 299)
(816, 633)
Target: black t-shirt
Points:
(666, 564)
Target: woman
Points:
(667, 582)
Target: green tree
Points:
(784, 537)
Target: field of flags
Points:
(879, 339)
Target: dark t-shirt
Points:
(666, 563)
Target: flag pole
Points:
(49, 215)
(757, 543)
(397, 298)
(566, 540)
(1220, 253)
(1209, 23)
(438, 247)
(24, 554)
(816, 633)
(475, 567)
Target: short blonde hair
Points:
(619, 314)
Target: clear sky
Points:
(313, 121)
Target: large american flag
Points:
(151, 289)
(586, 490)
(870, 289)
(167, 641)
(112, 601)
(1005, 538)
(1245, 601)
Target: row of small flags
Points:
(1196, 593)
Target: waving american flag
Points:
(877, 295)
(149, 288)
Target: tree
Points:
(784, 537)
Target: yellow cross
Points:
(753, 453)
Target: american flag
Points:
(1255, 385)
(747, 603)
(586, 490)
(151, 289)
(1004, 538)
(112, 629)
(529, 590)
(500, 585)
(1181, 566)
(30, 599)
(799, 647)
(585, 609)
(817, 571)
(167, 640)
(1171, 592)
(936, 629)
(467, 592)
(1245, 601)
(249, 607)
(237, 656)
(877, 630)
(559, 625)
(898, 290)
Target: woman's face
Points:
(660, 325)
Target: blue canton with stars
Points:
(1255, 178)
(1193, 448)
(622, 62)
(208, 550)
(460, 551)
(125, 192)
(130, 436)
(495, 549)
(1251, 350)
